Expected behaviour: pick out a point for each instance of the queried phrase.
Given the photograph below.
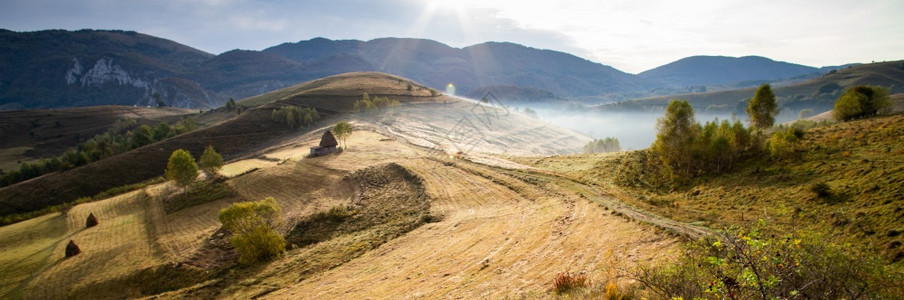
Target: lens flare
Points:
(450, 89)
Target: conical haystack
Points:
(91, 222)
(72, 249)
(328, 140)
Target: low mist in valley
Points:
(633, 130)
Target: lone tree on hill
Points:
(181, 168)
(860, 101)
(762, 108)
(342, 130)
(251, 224)
(211, 161)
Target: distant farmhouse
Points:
(327, 145)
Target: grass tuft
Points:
(567, 281)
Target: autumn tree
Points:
(762, 108)
(342, 130)
(211, 161)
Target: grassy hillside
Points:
(350, 86)
(33, 134)
(861, 162)
(246, 135)
(384, 210)
(234, 137)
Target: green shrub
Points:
(784, 143)
(251, 224)
(747, 264)
(861, 101)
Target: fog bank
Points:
(633, 130)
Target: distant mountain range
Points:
(723, 70)
(817, 94)
(57, 68)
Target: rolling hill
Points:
(34, 134)
(423, 119)
(724, 71)
(423, 170)
(437, 197)
(436, 64)
(57, 68)
(818, 94)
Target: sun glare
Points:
(450, 89)
(437, 9)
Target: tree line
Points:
(609, 144)
(123, 136)
(368, 105)
(684, 148)
(294, 116)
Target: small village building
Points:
(328, 144)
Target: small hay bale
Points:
(91, 222)
(72, 249)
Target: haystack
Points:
(328, 140)
(72, 249)
(328, 145)
(91, 222)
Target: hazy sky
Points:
(629, 35)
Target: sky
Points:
(629, 35)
